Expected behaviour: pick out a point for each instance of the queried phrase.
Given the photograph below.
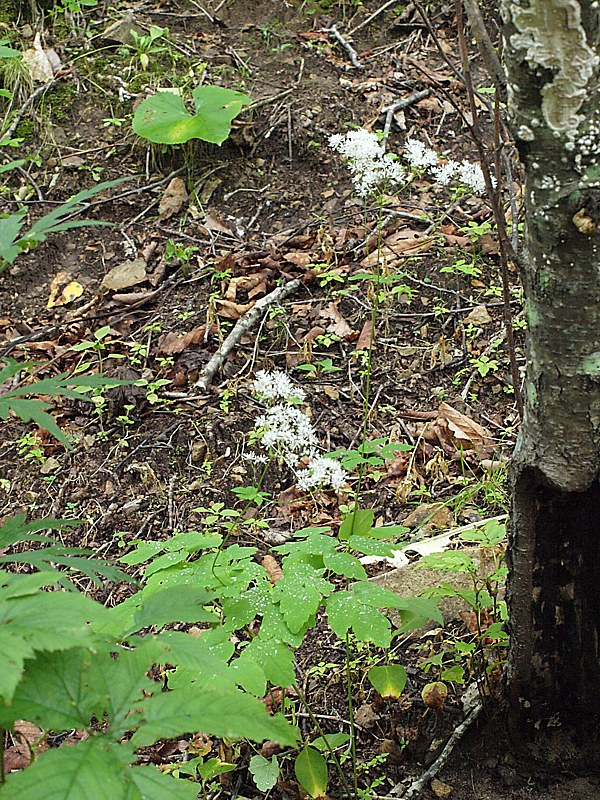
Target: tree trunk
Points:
(551, 49)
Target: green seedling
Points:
(164, 119)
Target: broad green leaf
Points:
(311, 771)
(174, 604)
(346, 612)
(330, 740)
(91, 770)
(249, 675)
(389, 680)
(276, 660)
(264, 772)
(212, 767)
(450, 561)
(9, 52)
(13, 652)
(11, 165)
(370, 546)
(10, 227)
(345, 564)
(57, 691)
(357, 523)
(163, 118)
(228, 714)
(153, 785)
(300, 592)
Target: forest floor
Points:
(273, 203)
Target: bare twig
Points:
(423, 780)
(373, 16)
(241, 327)
(390, 110)
(352, 54)
(486, 49)
(19, 115)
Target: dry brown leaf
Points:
(301, 259)
(441, 789)
(131, 298)
(175, 195)
(16, 757)
(338, 326)
(272, 568)
(366, 716)
(478, 316)
(27, 731)
(400, 243)
(171, 343)
(214, 222)
(466, 434)
(43, 63)
(331, 391)
(364, 337)
(229, 310)
(63, 290)
(312, 334)
(434, 694)
(124, 275)
(245, 283)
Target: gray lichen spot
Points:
(531, 313)
(590, 365)
(531, 394)
(554, 38)
(525, 133)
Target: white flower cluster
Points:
(371, 167)
(276, 386)
(322, 472)
(289, 433)
(418, 155)
(468, 173)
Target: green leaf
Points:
(211, 768)
(345, 564)
(357, 523)
(9, 52)
(388, 680)
(225, 713)
(10, 227)
(330, 740)
(91, 770)
(163, 118)
(264, 772)
(249, 675)
(56, 692)
(13, 652)
(276, 660)
(174, 604)
(345, 611)
(153, 785)
(300, 592)
(311, 771)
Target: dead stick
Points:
(241, 326)
(420, 783)
(352, 54)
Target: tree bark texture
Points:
(552, 50)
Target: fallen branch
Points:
(352, 54)
(244, 324)
(420, 783)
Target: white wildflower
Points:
(276, 386)
(255, 458)
(370, 165)
(472, 176)
(419, 156)
(322, 472)
(446, 172)
(288, 431)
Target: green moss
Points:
(25, 129)
(59, 101)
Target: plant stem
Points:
(351, 715)
(321, 733)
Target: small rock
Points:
(478, 316)
(441, 789)
(49, 466)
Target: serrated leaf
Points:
(345, 564)
(153, 785)
(10, 228)
(228, 714)
(389, 680)
(276, 660)
(91, 770)
(249, 675)
(311, 771)
(163, 118)
(299, 593)
(56, 691)
(174, 604)
(265, 773)
(13, 652)
(346, 612)
(357, 523)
